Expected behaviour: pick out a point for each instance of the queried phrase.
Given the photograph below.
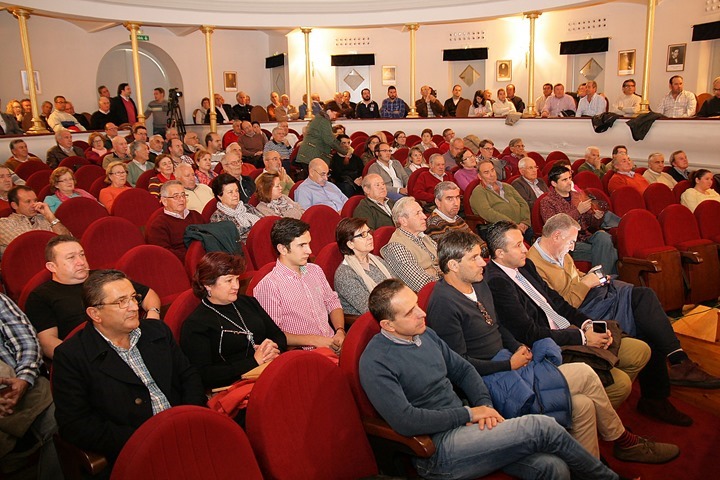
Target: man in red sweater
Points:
(167, 230)
(624, 175)
(424, 189)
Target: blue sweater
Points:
(412, 387)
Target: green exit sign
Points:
(143, 38)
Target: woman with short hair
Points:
(62, 184)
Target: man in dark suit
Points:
(8, 125)
(64, 148)
(122, 107)
(119, 370)
(531, 310)
(223, 111)
(529, 185)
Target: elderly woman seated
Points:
(228, 334)
(271, 199)
(226, 189)
(360, 270)
(165, 168)
(116, 176)
(96, 151)
(62, 183)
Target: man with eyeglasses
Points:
(487, 152)
(55, 308)
(168, 230)
(317, 190)
(234, 165)
(628, 103)
(517, 151)
(118, 371)
(711, 107)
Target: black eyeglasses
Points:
(485, 314)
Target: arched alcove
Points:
(157, 69)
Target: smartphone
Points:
(599, 326)
(598, 272)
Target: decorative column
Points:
(530, 110)
(133, 29)
(22, 16)
(208, 30)
(309, 114)
(649, 29)
(412, 28)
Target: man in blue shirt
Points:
(317, 190)
(393, 107)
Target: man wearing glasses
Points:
(168, 230)
(487, 152)
(317, 190)
(711, 107)
(628, 103)
(118, 371)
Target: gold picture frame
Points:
(626, 62)
(230, 81)
(503, 70)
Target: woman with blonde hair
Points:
(203, 167)
(116, 177)
(62, 184)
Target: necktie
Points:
(560, 321)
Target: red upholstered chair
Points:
(539, 160)
(535, 217)
(253, 200)
(181, 308)
(323, 221)
(646, 261)
(358, 134)
(209, 209)
(329, 259)
(258, 243)
(195, 253)
(587, 179)
(625, 199)
(78, 213)
(430, 152)
(556, 155)
(255, 173)
(438, 139)
(303, 423)
(412, 140)
(38, 180)
(187, 442)
(547, 167)
(509, 180)
(576, 165)
(44, 193)
(640, 170)
(74, 162)
(401, 155)
(22, 259)
(658, 196)
(471, 218)
(680, 188)
(381, 237)
(25, 169)
(143, 180)
(606, 180)
(366, 168)
(157, 268)
(6, 212)
(81, 143)
(135, 205)
(424, 295)
(350, 206)
(707, 215)
(97, 185)
(291, 193)
(38, 279)
(259, 275)
(87, 174)
(444, 148)
(700, 258)
(107, 239)
(413, 178)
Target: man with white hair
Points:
(121, 152)
(529, 185)
(273, 164)
(426, 181)
(140, 162)
(278, 143)
(290, 137)
(655, 173)
(376, 208)
(593, 163)
(233, 165)
(285, 111)
(410, 254)
(243, 107)
(64, 148)
(198, 195)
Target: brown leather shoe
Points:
(661, 409)
(689, 374)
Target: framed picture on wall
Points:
(503, 70)
(626, 62)
(676, 57)
(230, 81)
(388, 75)
(26, 86)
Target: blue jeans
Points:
(599, 250)
(529, 447)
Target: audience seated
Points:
(481, 105)
(204, 172)
(559, 104)
(296, 293)
(593, 162)
(55, 308)
(59, 119)
(144, 372)
(428, 105)
(529, 185)
(228, 334)
(424, 189)
(680, 164)
(317, 190)
(655, 172)
(230, 207)
(165, 172)
(517, 151)
(97, 148)
(116, 175)
(391, 171)
(157, 146)
(360, 270)
(445, 217)
(711, 107)
(140, 163)
(167, 230)
(410, 254)
(625, 176)
(252, 144)
(628, 103)
(64, 148)
(701, 190)
(28, 214)
(240, 110)
(9, 125)
(62, 186)
(20, 154)
(467, 171)
(6, 184)
(233, 166)
(120, 152)
(592, 103)
(375, 208)
(347, 168)
(503, 105)
(678, 102)
(198, 194)
(279, 144)
(272, 200)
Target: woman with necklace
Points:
(228, 334)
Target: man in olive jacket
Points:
(319, 142)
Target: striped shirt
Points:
(19, 347)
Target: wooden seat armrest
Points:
(691, 257)
(71, 457)
(641, 265)
(350, 319)
(420, 445)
